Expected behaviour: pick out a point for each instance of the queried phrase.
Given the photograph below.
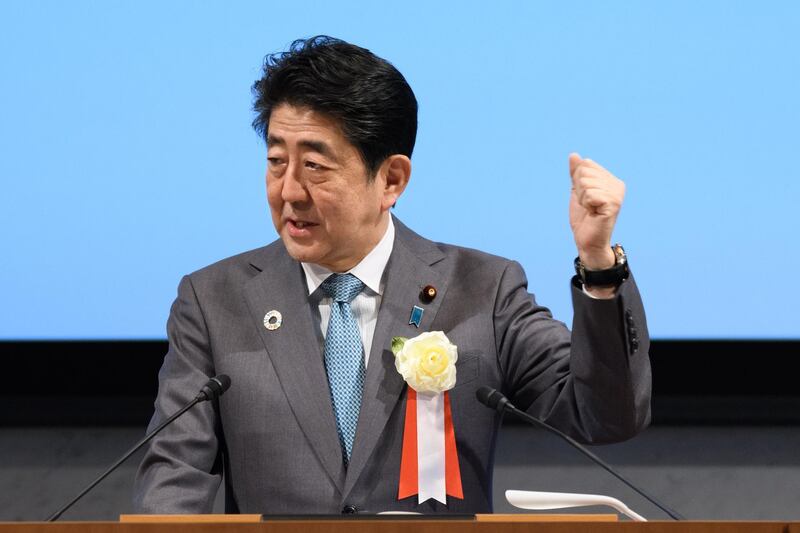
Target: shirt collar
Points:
(369, 270)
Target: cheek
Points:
(331, 203)
(275, 209)
(273, 194)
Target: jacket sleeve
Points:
(594, 383)
(181, 468)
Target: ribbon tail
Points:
(452, 470)
(429, 464)
(409, 480)
(430, 448)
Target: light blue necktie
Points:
(344, 357)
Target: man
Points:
(314, 419)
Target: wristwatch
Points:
(611, 276)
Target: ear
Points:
(394, 174)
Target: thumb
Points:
(574, 160)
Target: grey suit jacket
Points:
(273, 434)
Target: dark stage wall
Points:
(723, 445)
(102, 383)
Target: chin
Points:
(301, 253)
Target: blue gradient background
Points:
(128, 159)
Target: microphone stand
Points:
(214, 388)
(496, 400)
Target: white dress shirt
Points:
(366, 304)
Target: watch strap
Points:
(610, 276)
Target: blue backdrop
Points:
(128, 158)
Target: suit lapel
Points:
(295, 352)
(407, 273)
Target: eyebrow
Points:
(320, 147)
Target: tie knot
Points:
(342, 287)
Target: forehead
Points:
(288, 123)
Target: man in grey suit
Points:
(314, 419)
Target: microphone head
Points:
(491, 398)
(483, 394)
(215, 387)
(223, 381)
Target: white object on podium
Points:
(540, 501)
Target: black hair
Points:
(365, 94)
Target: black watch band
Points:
(611, 276)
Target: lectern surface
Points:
(401, 526)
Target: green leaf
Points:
(397, 344)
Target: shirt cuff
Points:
(592, 296)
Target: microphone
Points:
(496, 400)
(212, 390)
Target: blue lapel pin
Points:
(416, 316)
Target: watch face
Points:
(619, 251)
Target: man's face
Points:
(323, 205)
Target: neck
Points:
(347, 264)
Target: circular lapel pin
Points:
(272, 320)
(428, 294)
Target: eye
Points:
(274, 160)
(313, 166)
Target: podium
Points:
(496, 524)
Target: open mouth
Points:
(300, 228)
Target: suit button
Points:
(634, 344)
(349, 509)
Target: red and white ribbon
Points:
(429, 462)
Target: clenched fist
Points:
(594, 204)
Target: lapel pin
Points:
(273, 320)
(416, 316)
(428, 294)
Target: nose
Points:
(293, 190)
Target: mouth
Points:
(300, 228)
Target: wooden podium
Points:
(538, 523)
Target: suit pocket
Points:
(466, 369)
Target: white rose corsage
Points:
(429, 462)
(427, 362)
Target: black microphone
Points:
(496, 400)
(212, 390)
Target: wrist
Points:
(611, 276)
(601, 259)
